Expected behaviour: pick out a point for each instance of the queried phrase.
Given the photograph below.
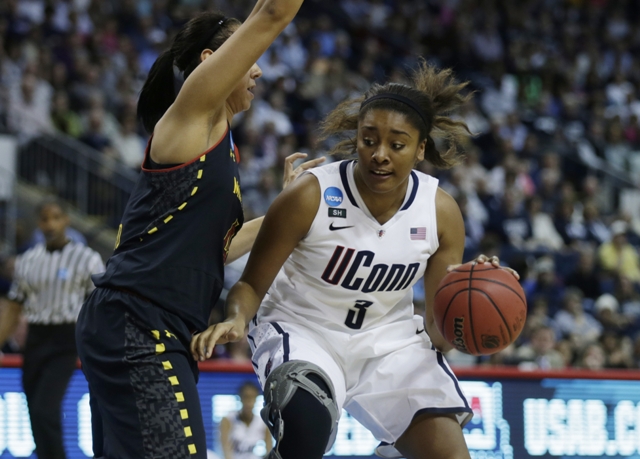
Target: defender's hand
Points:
(495, 261)
(290, 174)
(202, 344)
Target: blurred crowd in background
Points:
(556, 118)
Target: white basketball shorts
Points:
(383, 377)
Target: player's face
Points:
(248, 398)
(241, 97)
(53, 223)
(388, 149)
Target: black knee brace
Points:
(302, 421)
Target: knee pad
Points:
(281, 386)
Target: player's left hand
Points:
(202, 344)
(290, 174)
(494, 260)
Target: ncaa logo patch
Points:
(333, 196)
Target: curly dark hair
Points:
(435, 91)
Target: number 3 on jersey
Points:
(361, 309)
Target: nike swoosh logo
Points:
(419, 331)
(337, 228)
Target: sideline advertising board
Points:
(575, 414)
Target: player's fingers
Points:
(219, 336)
(293, 157)
(482, 258)
(289, 160)
(203, 347)
(235, 334)
(452, 267)
(495, 261)
(514, 272)
(194, 346)
(310, 164)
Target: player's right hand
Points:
(202, 344)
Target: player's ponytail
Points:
(206, 30)
(426, 104)
(158, 92)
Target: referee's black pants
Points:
(49, 362)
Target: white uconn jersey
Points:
(245, 438)
(349, 272)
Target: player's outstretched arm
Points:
(214, 79)
(288, 221)
(243, 242)
(450, 251)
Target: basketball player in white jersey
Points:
(241, 431)
(343, 247)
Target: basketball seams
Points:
(502, 284)
(470, 312)
(474, 269)
(446, 311)
(506, 324)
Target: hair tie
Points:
(202, 44)
(401, 99)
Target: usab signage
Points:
(513, 418)
(488, 434)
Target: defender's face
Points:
(388, 149)
(240, 99)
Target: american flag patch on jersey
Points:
(418, 234)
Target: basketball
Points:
(480, 309)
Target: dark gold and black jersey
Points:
(176, 232)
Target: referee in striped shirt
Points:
(51, 281)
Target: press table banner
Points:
(516, 415)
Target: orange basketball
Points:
(480, 309)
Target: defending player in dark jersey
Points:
(166, 273)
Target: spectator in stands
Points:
(585, 276)
(129, 146)
(544, 284)
(618, 257)
(618, 350)
(473, 228)
(514, 131)
(617, 150)
(549, 184)
(597, 231)
(569, 228)
(574, 323)
(63, 118)
(510, 222)
(629, 299)
(28, 109)
(540, 352)
(94, 137)
(607, 310)
(592, 357)
(258, 199)
(538, 316)
(568, 352)
(544, 235)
